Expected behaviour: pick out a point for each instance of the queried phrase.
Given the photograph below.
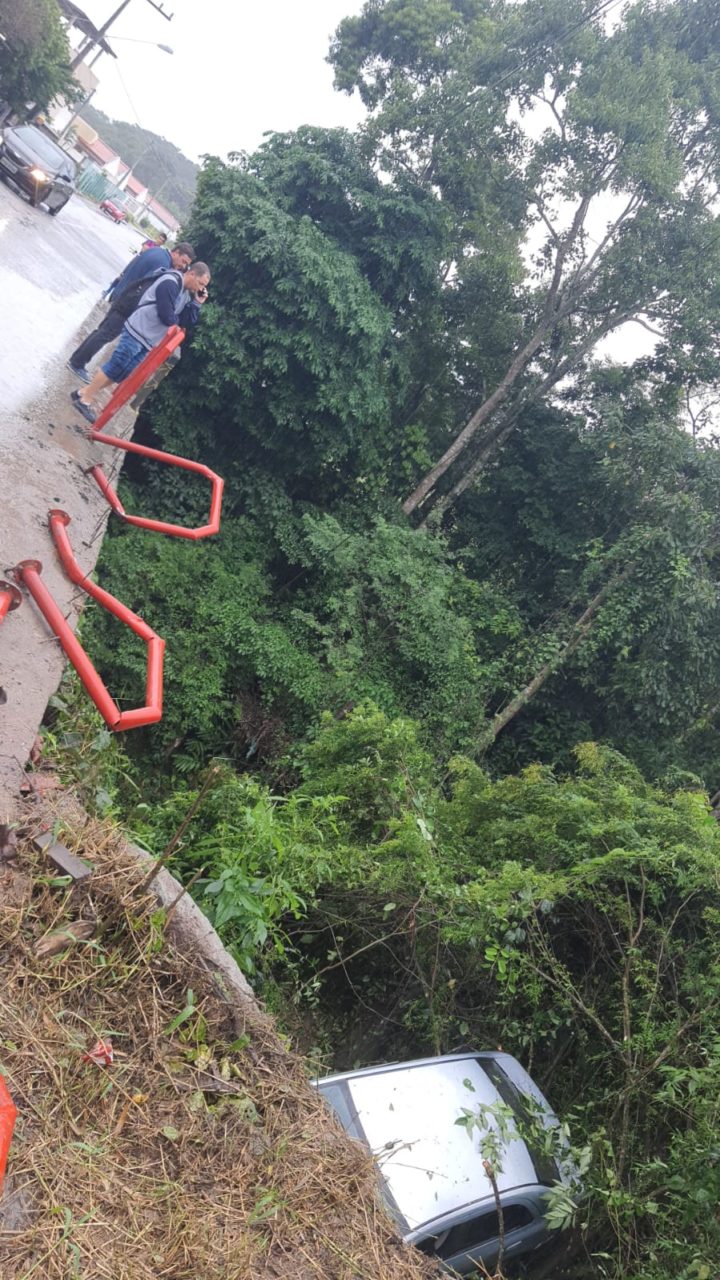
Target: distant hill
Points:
(164, 169)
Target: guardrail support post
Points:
(8, 1114)
(10, 598)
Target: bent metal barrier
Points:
(8, 1115)
(28, 573)
(171, 459)
(120, 396)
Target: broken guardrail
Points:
(172, 460)
(28, 574)
(126, 389)
(124, 392)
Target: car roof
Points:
(407, 1114)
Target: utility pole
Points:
(103, 30)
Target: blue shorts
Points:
(126, 357)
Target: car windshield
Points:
(45, 148)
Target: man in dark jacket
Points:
(126, 295)
(173, 298)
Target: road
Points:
(52, 271)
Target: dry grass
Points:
(201, 1153)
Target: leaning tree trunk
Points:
(580, 631)
(480, 416)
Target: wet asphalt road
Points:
(52, 271)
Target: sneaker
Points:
(82, 374)
(88, 414)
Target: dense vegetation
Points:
(155, 161)
(34, 56)
(449, 675)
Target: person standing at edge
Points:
(153, 244)
(174, 298)
(142, 270)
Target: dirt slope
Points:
(201, 1152)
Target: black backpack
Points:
(127, 301)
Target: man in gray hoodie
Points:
(174, 298)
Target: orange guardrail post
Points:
(8, 1114)
(10, 598)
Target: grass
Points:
(201, 1153)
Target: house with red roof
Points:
(135, 188)
(161, 217)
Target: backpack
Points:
(127, 301)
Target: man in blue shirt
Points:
(141, 269)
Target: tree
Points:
(611, 173)
(35, 55)
(315, 265)
(21, 21)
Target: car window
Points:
(475, 1232)
(47, 150)
(546, 1168)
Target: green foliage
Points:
(214, 606)
(572, 918)
(35, 55)
(296, 362)
(378, 614)
(264, 857)
(596, 139)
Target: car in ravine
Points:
(34, 164)
(413, 1116)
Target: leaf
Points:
(60, 939)
(170, 1132)
(184, 1014)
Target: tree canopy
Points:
(599, 145)
(34, 55)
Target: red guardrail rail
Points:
(8, 1114)
(126, 390)
(28, 573)
(172, 460)
(10, 598)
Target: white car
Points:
(433, 1179)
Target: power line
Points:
(604, 7)
(127, 95)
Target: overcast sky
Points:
(238, 69)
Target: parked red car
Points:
(114, 211)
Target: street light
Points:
(165, 47)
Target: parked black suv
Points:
(35, 165)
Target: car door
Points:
(476, 1238)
